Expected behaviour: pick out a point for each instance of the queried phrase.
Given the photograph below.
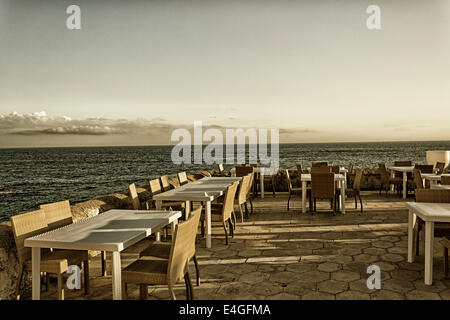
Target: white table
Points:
(429, 213)
(113, 231)
(405, 171)
(440, 186)
(204, 190)
(262, 172)
(338, 177)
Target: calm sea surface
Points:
(29, 177)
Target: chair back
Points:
(155, 187)
(384, 174)
(403, 163)
(335, 169)
(134, 197)
(433, 195)
(418, 181)
(27, 225)
(319, 164)
(323, 169)
(357, 181)
(228, 201)
(254, 165)
(350, 168)
(182, 178)
(242, 171)
(220, 167)
(322, 185)
(57, 214)
(424, 168)
(244, 189)
(440, 167)
(289, 182)
(445, 180)
(299, 169)
(165, 183)
(183, 246)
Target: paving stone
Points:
(254, 277)
(366, 258)
(392, 257)
(422, 295)
(284, 296)
(386, 295)
(329, 266)
(284, 277)
(401, 286)
(243, 268)
(352, 295)
(267, 288)
(382, 244)
(300, 287)
(317, 295)
(332, 286)
(301, 267)
(405, 275)
(315, 276)
(344, 275)
(374, 251)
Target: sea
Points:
(33, 176)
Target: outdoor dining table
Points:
(405, 171)
(263, 171)
(339, 178)
(112, 231)
(440, 186)
(429, 213)
(433, 178)
(203, 190)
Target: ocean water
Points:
(32, 176)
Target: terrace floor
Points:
(280, 254)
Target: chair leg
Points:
(188, 289)
(191, 288)
(251, 205)
(60, 287)
(356, 203)
(314, 210)
(360, 202)
(273, 186)
(417, 241)
(86, 276)
(226, 233)
(19, 282)
(233, 220)
(203, 228)
(446, 263)
(124, 290)
(246, 209)
(242, 213)
(172, 294)
(197, 271)
(289, 199)
(103, 257)
(143, 289)
(230, 225)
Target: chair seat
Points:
(146, 270)
(158, 249)
(57, 261)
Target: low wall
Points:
(9, 265)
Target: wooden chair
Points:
(222, 212)
(418, 180)
(441, 229)
(135, 202)
(350, 175)
(323, 187)
(445, 180)
(299, 169)
(399, 175)
(386, 181)
(293, 191)
(182, 178)
(242, 171)
(155, 188)
(440, 166)
(58, 215)
(148, 270)
(242, 195)
(319, 164)
(165, 183)
(355, 191)
(335, 169)
(446, 244)
(54, 262)
(161, 250)
(424, 168)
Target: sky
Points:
(137, 70)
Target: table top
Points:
(341, 170)
(440, 186)
(337, 177)
(402, 169)
(206, 189)
(262, 170)
(439, 212)
(113, 230)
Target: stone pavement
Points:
(277, 254)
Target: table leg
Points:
(411, 225)
(342, 198)
(429, 238)
(36, 272)
(158, 205)
(404, 184)
(187, 209)
(392, 176)
(261, 183)
(116, 276)
(208, 224)
(304, 196)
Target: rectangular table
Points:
(405, 171)
(338, 177)
(112, 231)
(262, 172)
(204, 190)
(433, 178)
(440, 186)
(429, 213)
